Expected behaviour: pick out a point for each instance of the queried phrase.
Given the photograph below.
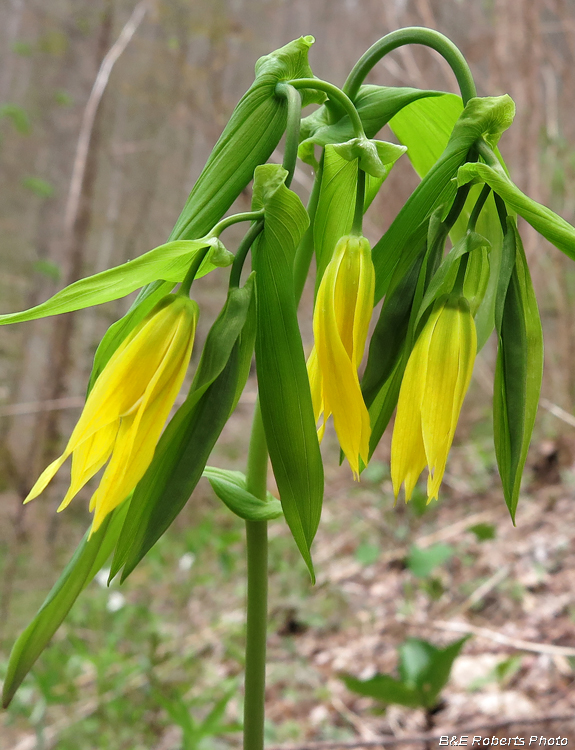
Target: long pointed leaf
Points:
(285, 396)
(169, 262)
(89, 557)
(185, 446)
(486, 117)
(518, 374)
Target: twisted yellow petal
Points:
(126, 410)
(341, 319)
(434, 385)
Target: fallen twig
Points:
(390, 740)
(506, 640)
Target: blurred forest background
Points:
(119, 673)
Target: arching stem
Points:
(413, 35)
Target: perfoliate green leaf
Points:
(285, 397)
(388, 338)
(518, 374)
(424, 126)
(385, 401)
(376, 105)
(336, 206)
(185, 446)
(479, 290)
(541, 218)
(386, 689)
(247, 342)
(252, 133)
(230, 487)
(375, 157)
(482, 117)
(443, 279)
(288, 63)
(89, 557)
(168, 262)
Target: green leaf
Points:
(421, 562)
(375, 157)
(376, 105)
(89, 557)
(48, 268)
(482, 117)
(249, 138)
(168, 262)
(483, 531)
(246, 351)
(185, 446)
(480, 291)
(518, 374)
(336, 207)
(230, 487)
(388, 338)
(424, 126)
(546, 222)
(384, 403)
(424, 671)
(367, 554)
(38, 186)
(426, 668)
(285, 396)
(181, 455)
(443, 279)
(384, 688)
(17, 116)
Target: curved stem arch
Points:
(413, 35)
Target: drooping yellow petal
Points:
(342, 277)
(408, 457)
(126, 410)
(441, 379)
(88, 459)
(316, 388)
(333, 323)
(364, 302)
(467, 350)
(46, 477)
(140, 431)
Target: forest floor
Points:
(129, 658)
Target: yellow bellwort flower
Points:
(126, 409)
(434, 385)
(341, 318)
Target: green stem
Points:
(257, 593)
(235, 219)
(336, 95)
(184, 290)
(242, 251)
(357, 226)
(304, 252)
(477, 208)
(488, 155)
(460, 280)
(292, 128)
(413, 35)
